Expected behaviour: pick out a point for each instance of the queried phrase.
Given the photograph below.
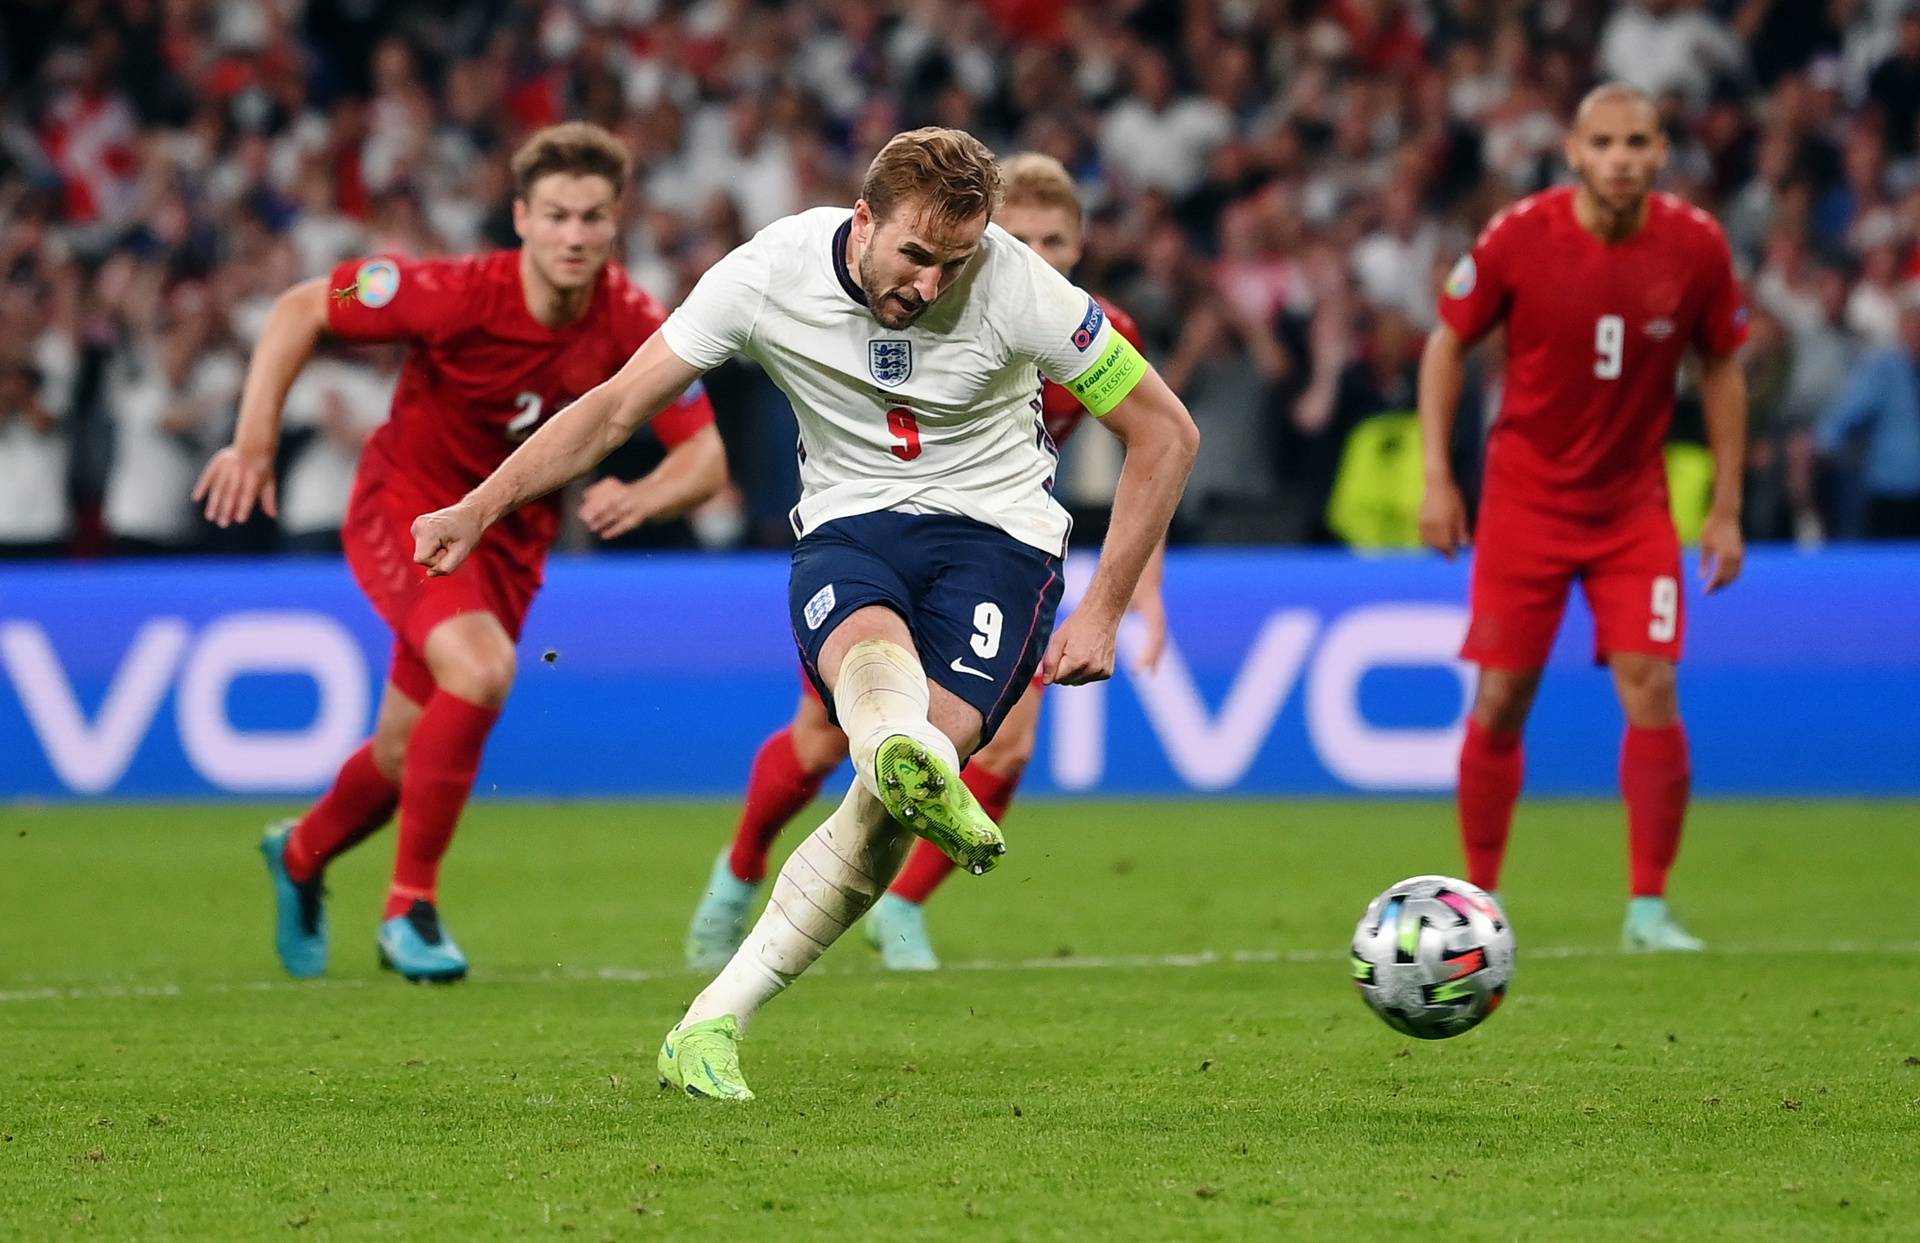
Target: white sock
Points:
(882, 691)
(826, 884)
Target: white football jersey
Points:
(942, 417)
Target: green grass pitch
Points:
(1150, 1035)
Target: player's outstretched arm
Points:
(692, 472)
(1723, 398)
(1161, 443)
(1443, 369)
(242, 473)
(568, 446)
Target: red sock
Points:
(993, 791)
(926, 867)
(1655, 778)
(1491, 768)
(359, 802)
(442, 757)
(778, 789)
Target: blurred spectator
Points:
(1156, 139)
(1873, 308)
(1523, 137)
(1258, 272)
(1393, 262)
(34, 520)
(1779, 446)
(1857, 207)
(737, 152)
(1879, 411)
(322, 234)
(1823, 347)
(1894, 87)
(1381, 376)
(1668, 45)
(171, 393)
(335, 404)
(88, 133)
(1775, 190)
(38, 364)
(1216, 367)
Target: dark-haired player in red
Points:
(1603, 287)
(499, 343)
(1041, 208)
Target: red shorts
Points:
(378, 540)
(1525, 560)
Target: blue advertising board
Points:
(1289, 673)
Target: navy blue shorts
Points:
(978, 602)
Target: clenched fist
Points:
(1082, 650)
(445, 538)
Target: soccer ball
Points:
(1433, 956)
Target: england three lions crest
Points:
(890, 361)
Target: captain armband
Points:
(1106, 384)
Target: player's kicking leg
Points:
(471, 657)
(787, 774)
(362, 799)
(897, 926)
(906, 736)
(1655, 781)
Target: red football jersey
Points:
(1060, 410)
(483, 374)
(1595, 336)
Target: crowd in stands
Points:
(1274, 189)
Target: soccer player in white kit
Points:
(910, 335)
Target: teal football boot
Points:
(1650, 928)
(299, 910)
(720, 921)
(416, 946)
(898, 929)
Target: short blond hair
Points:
(1036, 180)
(949, 172)
(575, 148)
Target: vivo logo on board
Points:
(1330, 656)
(91, 753)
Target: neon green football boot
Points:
(923, 793)
(703, 1060)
